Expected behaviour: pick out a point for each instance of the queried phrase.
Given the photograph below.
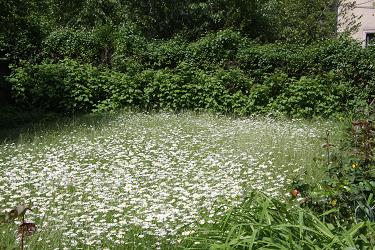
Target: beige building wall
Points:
(365, 9)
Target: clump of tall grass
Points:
(262, 222)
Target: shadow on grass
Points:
(15, 121)
(17, 124)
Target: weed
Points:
(25, 228)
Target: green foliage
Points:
(72, 87)
(263, 94)
(349, 185)
(159, 18)
(343, 57)
(308, 97)
(161, 54)
(86, 46)
(268, 20)
(25, 24)
(190, 88)
(336, 74)
(20, 30)
(129, 44)
(215, 48)
(305, 20)
(258, 60)
(247, 16)
(88, 14)
(260, 222)
(69, 43)
(221, 72)
(65, 87)
(118, 90)
(129, 40)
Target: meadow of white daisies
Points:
(143, 181)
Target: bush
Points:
(308, 97)
(74, 44)
(161, 54)
(258, 60)
(343, 57)
(64, 87)
(216, 48)
(191, 88)
(349, 185)
(119, 90)
(72, 87)
(265, 91)
(129, 45)
(222, 72)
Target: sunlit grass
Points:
(139, 180)
(261, 222)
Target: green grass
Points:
(261, 222)
(142, 181)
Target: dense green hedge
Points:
(69, 87)
(223, 72)
(93, 46)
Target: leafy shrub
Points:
(70, 87)
(342, 57)
(215, 48)
(65, 87)
(222, 72)
(161, 54)
(191, 88)
(129, 40)
(86, 46)
(349, 185)
(307, 97)
(258, 60)
(129, 45)
(74, 44)
(237, 96)
(119, 90)
(162, 91)
(264, 93)
(332, 55)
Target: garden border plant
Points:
(349, 185)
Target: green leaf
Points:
(355, 229)
(321, 227)
(301, 223)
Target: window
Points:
(370, 39)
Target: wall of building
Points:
(366, 10)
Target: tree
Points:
(20, 29)
(347, 21)
(305, 20)
(86, 13)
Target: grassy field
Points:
(142, 181)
